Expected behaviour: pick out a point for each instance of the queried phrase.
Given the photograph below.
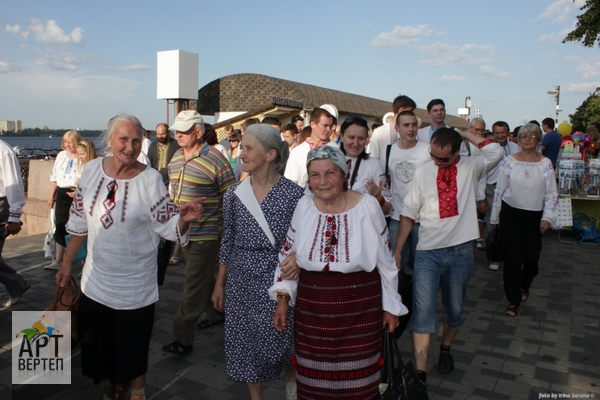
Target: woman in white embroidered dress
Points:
(365, 174)
(348, 285)
(526, 205)
(123, 208)
(62, 189)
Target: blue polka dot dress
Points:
(254, 350)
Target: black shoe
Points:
(445, 363)
(176, 347)
(205, 324)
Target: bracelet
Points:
(381, 201)
(283, 296)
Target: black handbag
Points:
(405, 288)
(398, 381)
(494, 245)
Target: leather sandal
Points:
(117, 392)
(524, 295)
(512, 310)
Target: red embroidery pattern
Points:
(447, 191)
(338, 376)
(166, 212)
(95, 198)
(109, 204)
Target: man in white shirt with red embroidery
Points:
(442, 199)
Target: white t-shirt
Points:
(402, 166)
(381, 137)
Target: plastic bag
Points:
(49, 243)
(585, 229)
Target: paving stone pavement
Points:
(550, 350)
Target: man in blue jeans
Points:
(442, 199)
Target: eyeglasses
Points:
(440, 159)
(354, 120)
(527, 137)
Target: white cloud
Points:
(50, 32)
(492, 71)
(560, 10)
(589, 69)
(453, 78)
(447, 54)
(585, 87)
(556, 36)
(60, 60)
(132, 67)
(16, 30)
(401, 36)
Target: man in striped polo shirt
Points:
(197, 170)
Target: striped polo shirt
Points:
(206, 174)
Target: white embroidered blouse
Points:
(528, 186)
(123, 220)
(353, 241)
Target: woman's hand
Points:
(390, 319)
(398, 258)
(50, 202)
(544, 226)
(218, 297)
(192, 210)
(62, 276)
(71, 194)
(280, 320)
(373, 189)
(290, 269)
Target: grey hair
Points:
(531, 128)
(476, 119)
(270, 139)
(112, 125)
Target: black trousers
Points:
(521, 245)
(15, 283)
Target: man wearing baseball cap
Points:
(197, 170)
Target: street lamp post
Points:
(555, 93)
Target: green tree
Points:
(587, 112)
(587, 30)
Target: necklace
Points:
(322, 207)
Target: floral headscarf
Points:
(328, 153)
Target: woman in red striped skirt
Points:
(347, 289)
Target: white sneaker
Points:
(494, 266)
(52, 267)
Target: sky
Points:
(75, 64)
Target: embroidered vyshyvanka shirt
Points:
(353, 241)
(123, 220)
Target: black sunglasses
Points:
(440, 159)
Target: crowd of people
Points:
(295, 238)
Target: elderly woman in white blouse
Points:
(123, 208)
(526, 205)
(348, 285)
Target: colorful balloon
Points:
(564, 128)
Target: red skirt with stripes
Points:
(338, 335)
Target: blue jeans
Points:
(448, 268)
(410, 246)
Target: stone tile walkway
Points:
(551, 348)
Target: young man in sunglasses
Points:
(442, 198)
